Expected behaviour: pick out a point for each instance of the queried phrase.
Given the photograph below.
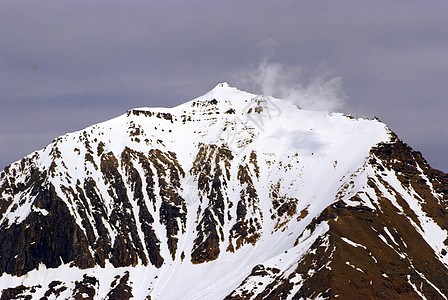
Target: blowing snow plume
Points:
(321, 92)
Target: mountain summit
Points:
(230, 195)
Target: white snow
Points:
(352, 243)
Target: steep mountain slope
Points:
(230, 195)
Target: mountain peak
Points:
(223, 91)
(222, 85)
(225, 98)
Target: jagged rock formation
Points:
(230, 195)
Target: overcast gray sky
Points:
(65, 65)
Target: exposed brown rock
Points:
(50, 239)
(247, 227)
(55, 288)
(211, 180)
(120, 289)
(173, 210)
(86, 288)
(16, 293)
(127, 247)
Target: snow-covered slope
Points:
(228, 195)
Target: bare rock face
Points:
(231, 195)
(52, 239)
(120, 288)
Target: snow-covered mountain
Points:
(230, 195)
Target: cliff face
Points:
(230, 195)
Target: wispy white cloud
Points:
(319, 92)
